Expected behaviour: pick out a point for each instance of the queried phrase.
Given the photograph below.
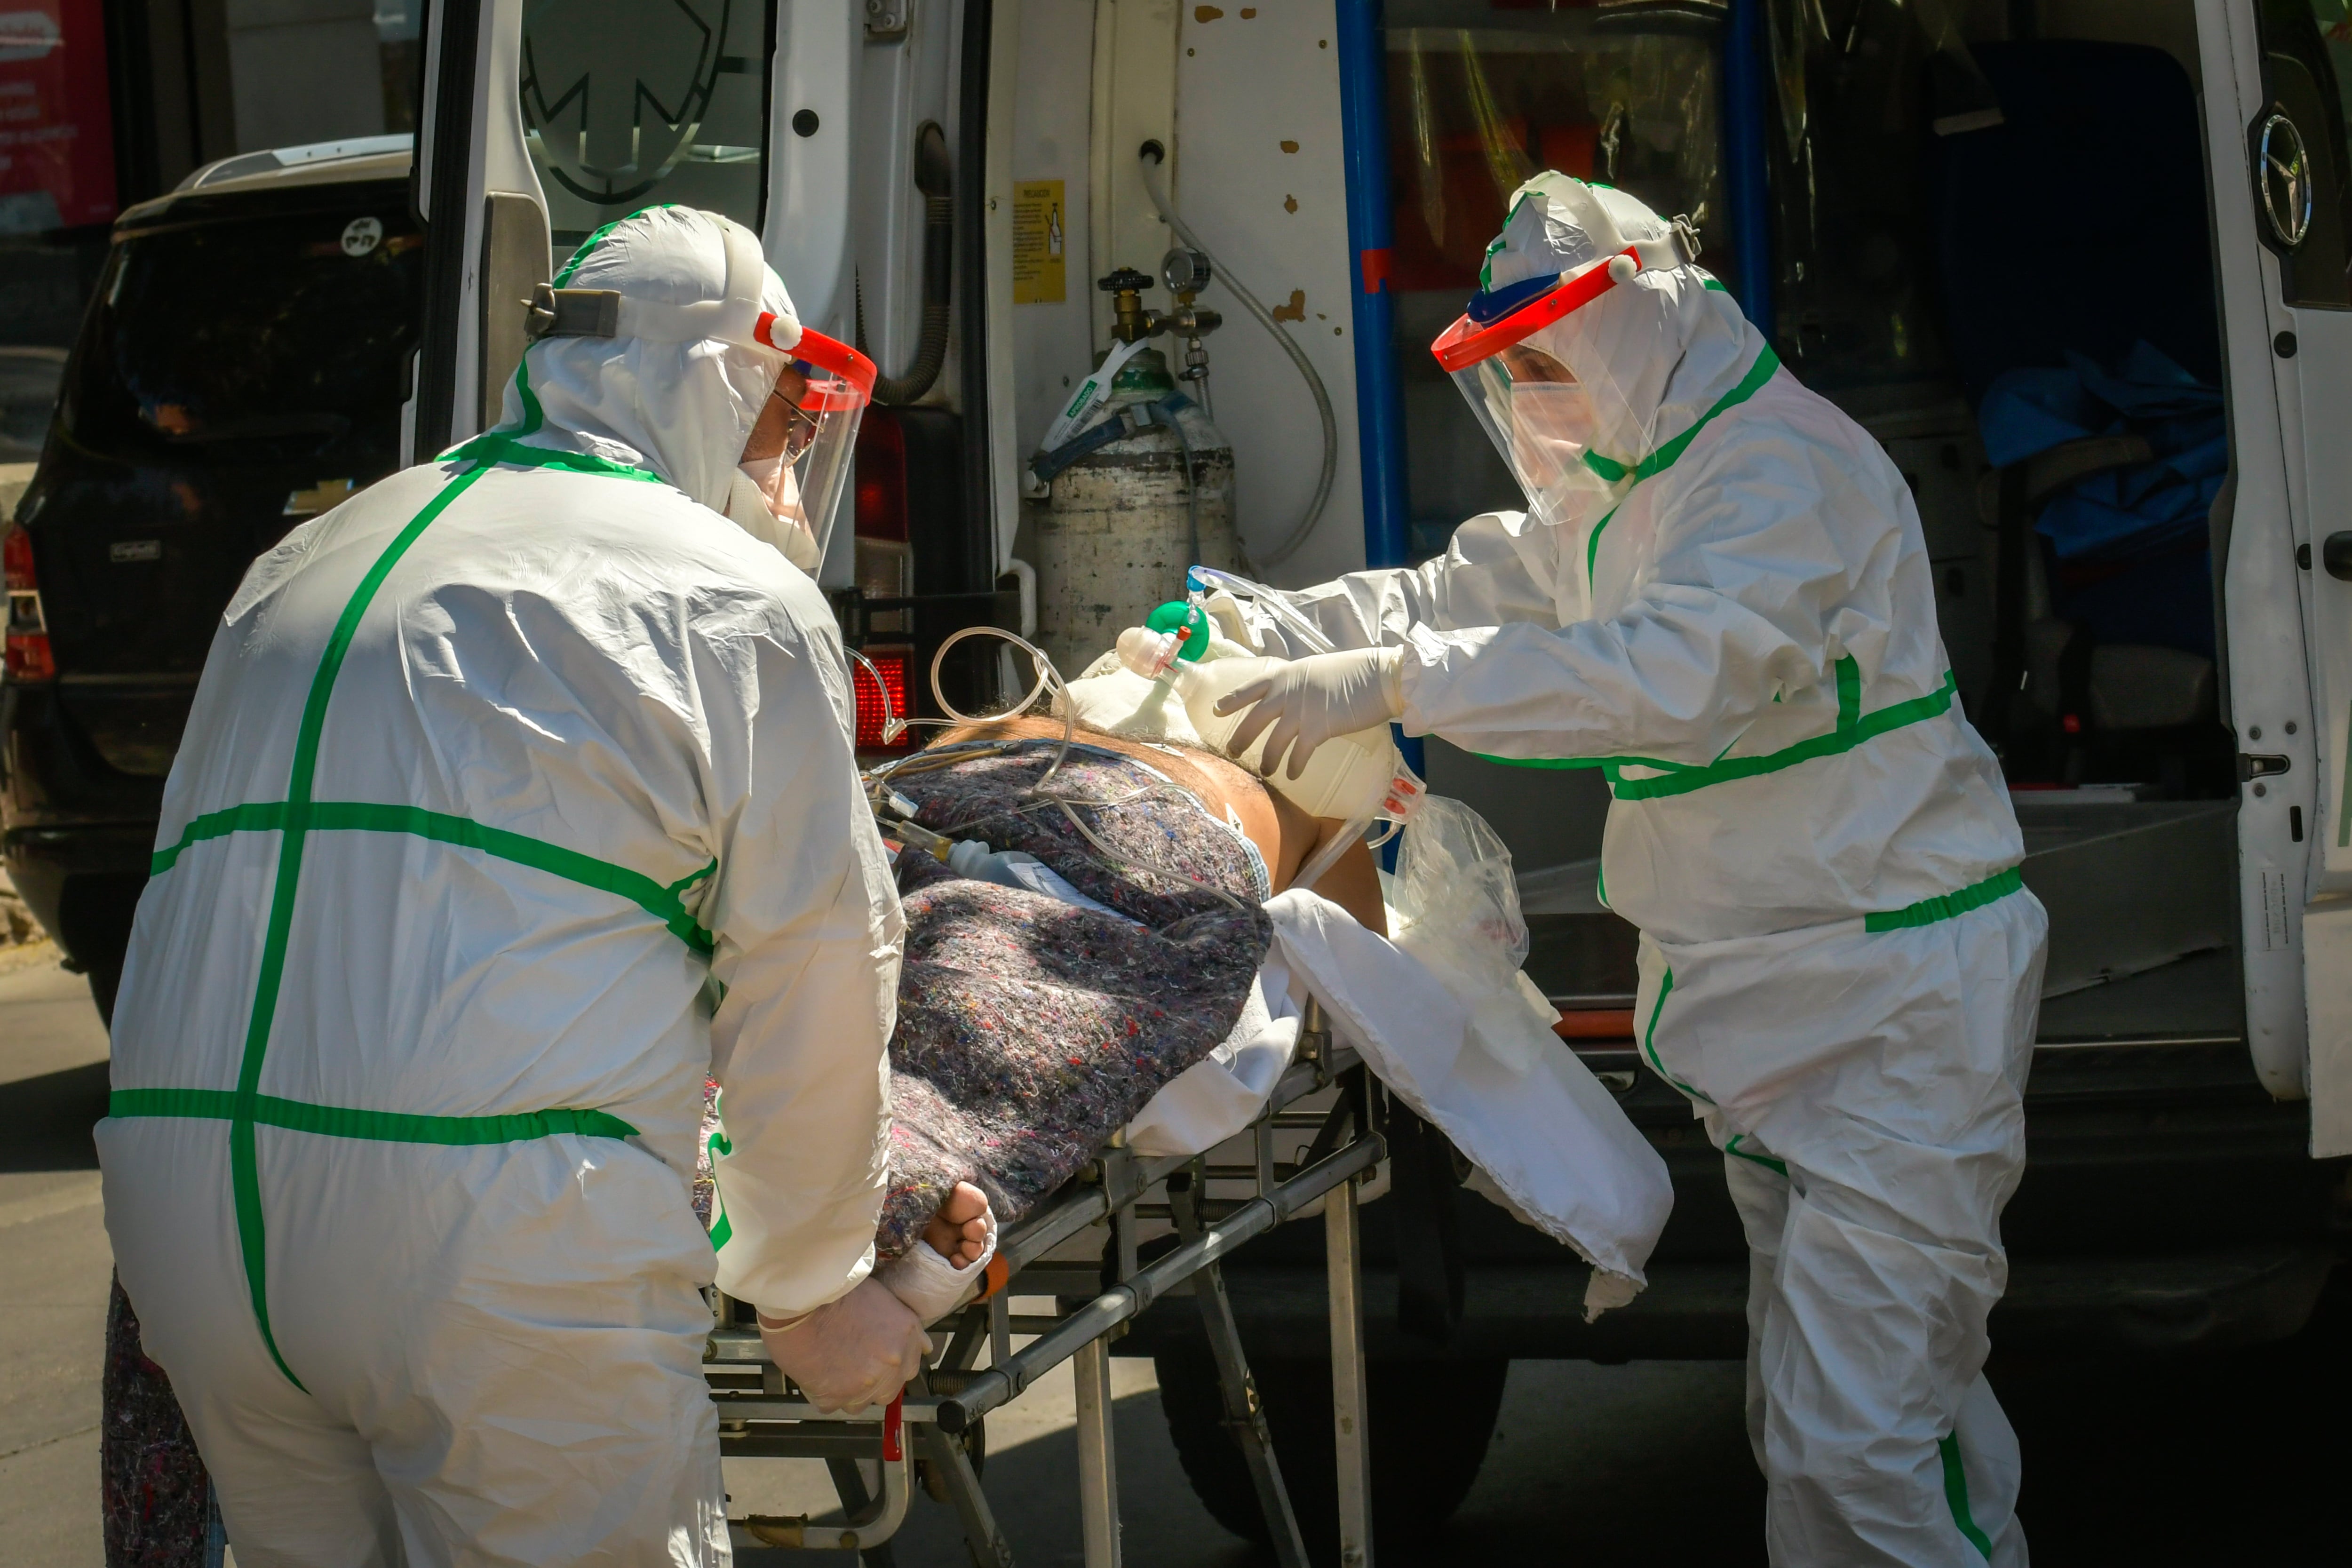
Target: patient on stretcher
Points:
(1284, 836)
(1033, 1024)
(1106, 929)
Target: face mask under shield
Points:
(1541, 373)
(824, 390)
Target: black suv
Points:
(241, 367)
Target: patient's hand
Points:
(960, 1229)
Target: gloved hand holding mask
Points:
(1309, 701)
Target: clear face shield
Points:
(807, 436)
(1547, 378)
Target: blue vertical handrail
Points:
(1379, 397)
(1747, 138)
(1379, 401)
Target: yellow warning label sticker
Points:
(1040, 235)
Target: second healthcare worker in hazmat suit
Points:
(493, 771)
(1719, 596)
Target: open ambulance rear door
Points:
(2277, 72)
(542, 122)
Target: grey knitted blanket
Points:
(1030, 1030)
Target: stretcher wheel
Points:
(1430, 1422)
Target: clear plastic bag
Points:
(1454, 904)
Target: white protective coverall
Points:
(491, 770)
(1839, 965)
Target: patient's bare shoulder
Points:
(1218, 784)
(1285, 835)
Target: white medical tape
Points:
(930, 1286)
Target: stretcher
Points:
(1097, 1284)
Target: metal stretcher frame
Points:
(940, 1412)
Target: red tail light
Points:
(28, 655)
(890, 664)
(881, 483)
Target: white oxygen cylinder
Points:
(1349, 776)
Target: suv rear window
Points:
(249, 338)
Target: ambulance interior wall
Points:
(900, 85)
(1247, 89)
(1247, 99)
(1923, 420)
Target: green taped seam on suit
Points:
(1650, 1039)
(1853, 728)
(298, 816)
(326, 816)
(379, 1126)
(1956, 1494)
(1927, 911)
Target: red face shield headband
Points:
(1466, 342)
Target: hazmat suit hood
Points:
(681, 409)
(1655, 351)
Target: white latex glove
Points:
(847, 1354)
(1309, 701)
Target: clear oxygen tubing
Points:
(1328, 856)
(1154, 158)
(1200, 579)
(1049, 677)
(1191, 490)
(892, 725)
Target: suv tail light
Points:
(28, 655)
(887, 666)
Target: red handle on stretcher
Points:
(1602, 1023)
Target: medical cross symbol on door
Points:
(613, 93)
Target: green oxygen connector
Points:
(1177, 615)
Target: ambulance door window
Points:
(1482, 96)
(2302, 182)
(629, 104)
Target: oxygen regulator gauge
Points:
(1186, 272)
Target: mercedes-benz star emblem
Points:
(2284, 171)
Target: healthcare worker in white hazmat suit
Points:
(1719, 596)
(492, 771)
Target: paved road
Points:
(54, 1264)
(2228, 1458)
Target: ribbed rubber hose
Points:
(931, 345)
(1219, 274)
(935, 177)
